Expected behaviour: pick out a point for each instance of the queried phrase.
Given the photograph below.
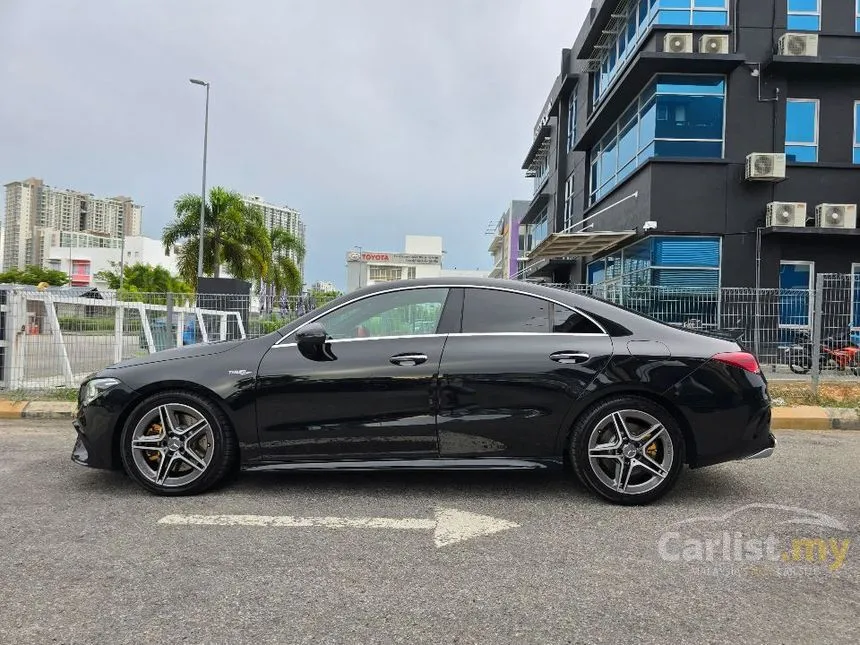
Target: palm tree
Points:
(234, 237)
(287, 253)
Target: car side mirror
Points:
(311, 336)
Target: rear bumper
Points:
(766, 452)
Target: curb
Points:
(794, 418)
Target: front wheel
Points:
(627, 449)
(178, 443)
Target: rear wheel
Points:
(799, 363)
(627, 449)
(178, 443)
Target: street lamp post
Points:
(203, 190)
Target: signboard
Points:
(394, 258)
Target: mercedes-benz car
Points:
(436, 374)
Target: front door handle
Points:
(408, 360)
(569, 358)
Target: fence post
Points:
(171, 337)
(118, 335)
(16, 339)
(817, 302)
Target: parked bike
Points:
(835, 352)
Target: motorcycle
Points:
(840, 353)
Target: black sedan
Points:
(439, 374)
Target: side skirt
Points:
(411, 464)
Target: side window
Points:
(489, 311)
(412, 312)
(567, 321)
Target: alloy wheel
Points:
(172, 445)
(630, 452)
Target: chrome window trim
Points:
(283, 342)
(335, 341)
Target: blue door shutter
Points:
(687, 252)
(686, 278)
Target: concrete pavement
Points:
(85, 558)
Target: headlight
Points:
(94, 388)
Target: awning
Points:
(538, 151)
(559, 245)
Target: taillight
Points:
(743, 360)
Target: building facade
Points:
(283, 217)
(700, 143)
(509, 243)
(421, 258)
(83, 255)
(34, 212)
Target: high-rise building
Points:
(34, 212)
(283, 217)
(510, 241)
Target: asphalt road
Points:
(85, 559)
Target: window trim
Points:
(857, 16)
(817, 120)
(790, 13)
(811, 288)
(284, 342)
(571, 118)
(856, 141)
(567, 217)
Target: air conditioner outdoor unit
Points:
(836, 216)
(714, 44)
(798, 45)
(678, 43)
(765, 167)
(786, 214)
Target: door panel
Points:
(368, 398)
(506, 396)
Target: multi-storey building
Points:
(34, 212)
(283, 217)
(699, 143)
(510, 241)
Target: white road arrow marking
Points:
(449, 526)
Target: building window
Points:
(857, 130)
(410, 274)
(539, 229)
(568, 204)
(801, 130)
(855, 297)
(675, 116)
(378, 273)
(804, 15)
(857, 16)
(571, 119)
(795, 285)
(693, 12)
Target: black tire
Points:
(799, 363)
(672, 456)
(222, 448)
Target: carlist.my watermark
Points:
(811, 543)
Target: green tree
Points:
(34, 274)
(234, 236)
(144, 278)
(284, 274)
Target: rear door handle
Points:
(569, 358)
(408, 360)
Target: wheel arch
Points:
(584, 405)
(164, 386)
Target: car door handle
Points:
(569, 358)
(408, 360)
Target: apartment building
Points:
(283, 217)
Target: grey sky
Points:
(375, 118)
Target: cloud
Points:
(375, 118)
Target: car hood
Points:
(191, 351)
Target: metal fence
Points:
(55, 338)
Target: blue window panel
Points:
(627, 147)
(638, 256)
(711, 4)
(689, 149)
(596, 272)
(642, 15)
(686, 278)
(711, 18)
(804, 23)
(608, 162)
(680, 84)
(857, 123)
(794, 280)
(690, 117)
(673, 17)
(800, 121)
(675, 4)
(803, 5)
(855, 308)
(801, 154)
(687, 252)
(647, 123)
(857, 155)
(857, 25)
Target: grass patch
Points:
(830, 395)
(52, 394)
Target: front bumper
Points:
(98, 426)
